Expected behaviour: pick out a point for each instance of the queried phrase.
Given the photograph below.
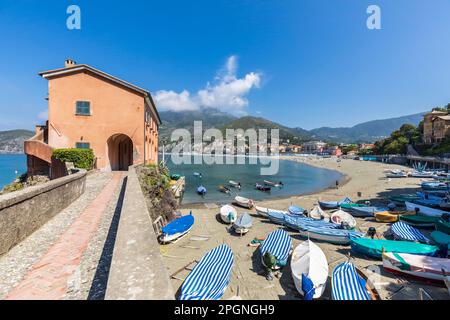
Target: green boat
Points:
(400, 199)
(175, 176)
(441, 238)
(419, 221)
(443, 226)
(374, 247)
(349, 206)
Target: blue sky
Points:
(301, 63)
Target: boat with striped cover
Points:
(374, 247)
(176, 229)
(335, 236)
(405, 232)
(426, 211)
(333, 204)
(296, 223)
(366, 211)
(279, 244)
(277, 216)
(309, 268)
(419, 221)
(209, 279)
(419, 267)
(348, 283)
(296, 211)
(340, 216)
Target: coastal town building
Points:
(436, 126)
(313, 147)
(88, 108)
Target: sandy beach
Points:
(248, 281)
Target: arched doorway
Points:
(120, 152)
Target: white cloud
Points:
(227, 92)
(43, 115)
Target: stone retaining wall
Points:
(137, 270)
(23, 212)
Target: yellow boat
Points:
(391, 216)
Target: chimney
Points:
(69, 63)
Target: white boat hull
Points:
(226, 216)
(424, 210)
(173, 237)
(325, 237)
(310, 260)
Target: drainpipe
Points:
(145, 137)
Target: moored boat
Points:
(273, 184)
(175, 176)
(333, 204)
(296, 211)
(374, 247)
(442, 240)
(260, 187)
(341, 217)
(386, 216)
(349, 283)
(243, 224)
(201, 190)
(278, 244)
(443, 225)
(427, 211)
(197, 174)
(405, 232)
(335, 236)
(210, 277)
(176, 229)
(228, 214)
(366, 211)
(277, 216)
(419, 221)
(416, 266)
(235, 184)
(224, 189)
(309, 268)
(262, 211)
(319, 214)
(244, 202)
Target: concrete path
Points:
(54, 270)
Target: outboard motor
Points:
(371, 232)
(345, 225)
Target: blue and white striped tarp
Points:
(276, 217)
(210, 277)
(278, 243)
(404, 231)
(346, 284)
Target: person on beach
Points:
(337, 184)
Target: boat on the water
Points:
(224, 189)
(419, 221)
(235, 184)
(244, 202)
(427, 211)
(296, 211)
(228, 214)
(260, 187)
(243, 224)
(416, 266)
(309, 268)
(278, 244)
(405, 232)
(210, 277)
(176, 229)
(374, 247)
(319, 214)
(197, 174)
(341, 217)
(175, 176)
(273, 184)
(201, 190)
(349, 283)
(333, 204)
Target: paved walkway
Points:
(53, 270)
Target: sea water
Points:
(9, 165)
